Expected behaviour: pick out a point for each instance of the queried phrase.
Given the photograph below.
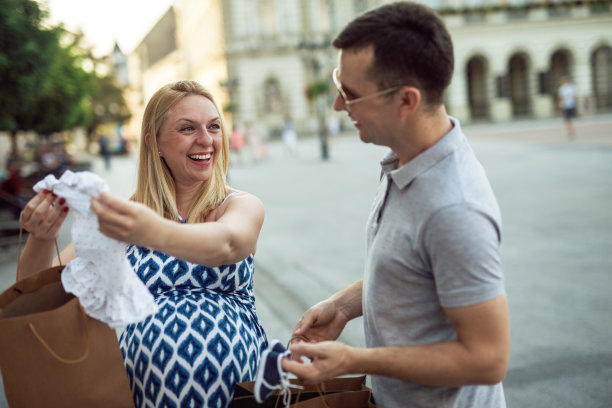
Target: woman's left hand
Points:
(125, 220)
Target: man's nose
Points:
(339, 104)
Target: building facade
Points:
(264, 58)
(186, 43)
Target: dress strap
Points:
(228, 196)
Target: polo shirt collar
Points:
(403, 176)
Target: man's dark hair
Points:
(411, 47)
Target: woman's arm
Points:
(42, 217)
(229, 239)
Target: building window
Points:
(601, 66)
(272, 96)
(324, 17)
(266, 17)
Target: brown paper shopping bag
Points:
(351, 389)
(52, 354)
(348, 399)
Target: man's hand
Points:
(329, 359)
(321, 322)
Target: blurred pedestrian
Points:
(13, 183)
(289, 137)
(49, 160)
(237, 143)
(567, 103)
(432, 297)
(11, 187)
(192, 240)
(333, 125)
(105, 150)
(257, 146)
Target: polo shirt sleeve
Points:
(462, 245)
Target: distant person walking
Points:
(237, 143)
(567, 103)
(289, 137)
(105, 151)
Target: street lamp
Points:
(317, 87)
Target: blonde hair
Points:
(155, 187)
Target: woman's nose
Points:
(204, 137)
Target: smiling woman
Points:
(192, 240)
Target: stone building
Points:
(186, 43)
(268, 59)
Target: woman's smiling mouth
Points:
(200, 157)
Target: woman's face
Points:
(190, 140)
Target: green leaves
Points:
(43, 85)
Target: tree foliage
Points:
(23, 61)
(44, 87)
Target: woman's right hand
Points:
(44, 215)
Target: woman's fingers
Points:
(108, 200)
(36, 209)
(116, 217)
(43, 215)
(55, 219)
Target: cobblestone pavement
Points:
(555, 195)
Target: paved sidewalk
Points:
(555, 196)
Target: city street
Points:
(555, 196)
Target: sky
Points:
(107, 21)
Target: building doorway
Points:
(561, 64)
(478, 95)
(520, 95)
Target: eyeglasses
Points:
(348, 101)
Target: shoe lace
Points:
(285, 391)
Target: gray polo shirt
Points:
(433, 241)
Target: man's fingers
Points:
(309, 350)
(305, 372)
(304, 324)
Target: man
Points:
(432, 296)
(567, 103)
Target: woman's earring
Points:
(159, 153)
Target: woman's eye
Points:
(187, 129)
(214, 126)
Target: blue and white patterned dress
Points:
(205, 337)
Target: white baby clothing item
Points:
(100, 276)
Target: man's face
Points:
(373, 115)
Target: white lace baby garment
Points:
(100, 276)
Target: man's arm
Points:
(479, 355)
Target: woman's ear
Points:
(411, 99)
(146, 140)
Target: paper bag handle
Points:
(320, 387)
(53, 353)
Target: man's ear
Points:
(411, 99)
